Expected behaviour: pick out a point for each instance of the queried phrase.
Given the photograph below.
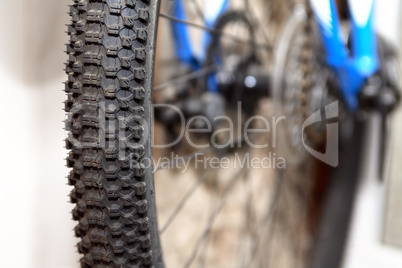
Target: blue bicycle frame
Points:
(184, 48)
(351, 68)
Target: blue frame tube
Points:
(183, 46)
(352, 70)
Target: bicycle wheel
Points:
(301, 87)
(299, 70)
(357, 146)
(110, 124)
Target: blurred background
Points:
(35, 220)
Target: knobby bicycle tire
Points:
(109, 95)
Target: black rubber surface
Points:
(329, 245)
(109, 93)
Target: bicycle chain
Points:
(300, 101)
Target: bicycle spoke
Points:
(213, 201)
(204, 251)
(259, 23)
(271, 231)
(213, 216)
(209, 150)
(268, 216)
(195, 186)
(244, 233)
(216, 211)
(187, 77)
(254, 222)
(199, 11)
(216, 31)
(184, 200)
(187, 157)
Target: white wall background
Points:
(367, 246)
